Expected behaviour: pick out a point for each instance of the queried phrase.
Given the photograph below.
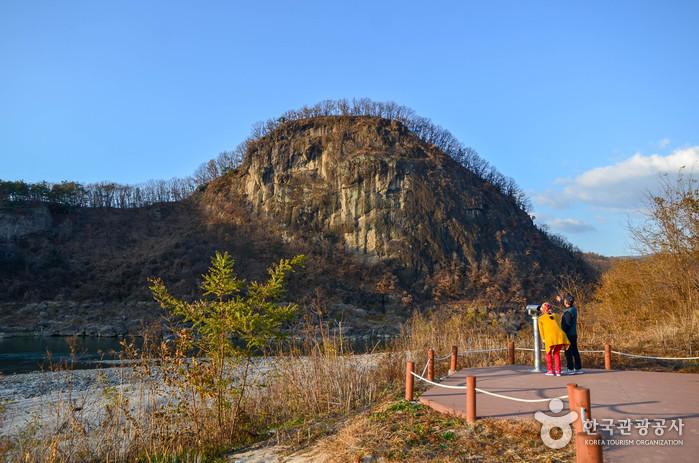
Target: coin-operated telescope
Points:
(534, 311)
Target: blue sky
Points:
(584, 104)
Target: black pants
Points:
(572, 354)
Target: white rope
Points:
(426, 365)
(655, 358)
(480, 351)
(435, 384)
(520, 400)
(485, 392)
(582, 352)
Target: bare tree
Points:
(660, 290)
(670, 218)
(207, 172)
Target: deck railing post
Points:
(588, 447)
(571, 396)
(470, 398)
(454, 354)
(582, 402)
(511, 352)
(607, 357)
(409, 381)
(430, 365)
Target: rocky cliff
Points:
(387, 195)
(24, 222)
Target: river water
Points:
(23, 354)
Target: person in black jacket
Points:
(569, 324)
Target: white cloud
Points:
(551, 198)
(662, 144)
(563, 181)
(620, 186)
(542, 217)
(570, 226)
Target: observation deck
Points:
(615, 395)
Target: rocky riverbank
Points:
(71, 318)
(29, 398)
(23, 386)
(119, 319)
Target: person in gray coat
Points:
(569, 324)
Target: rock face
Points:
(384, 193)
(71, 318)
(24, 222)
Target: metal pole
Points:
(537, 345)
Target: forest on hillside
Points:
(111, 194)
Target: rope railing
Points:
(470, 352)
(529, 349)
(431, 359)
(521, 400)
(426, 365)
(481, 351)
(653, 358)
(422, 378)
(582, 352)
(516, 399)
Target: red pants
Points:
(554, 352)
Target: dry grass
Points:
(639, 303)
(467, 328)
(404, 431)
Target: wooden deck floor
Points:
(615, 396)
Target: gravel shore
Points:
(33, 385)
(33, 398)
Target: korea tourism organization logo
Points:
(658, 432)
(549, 423)
(651, 432)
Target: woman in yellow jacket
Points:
(554, 338)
